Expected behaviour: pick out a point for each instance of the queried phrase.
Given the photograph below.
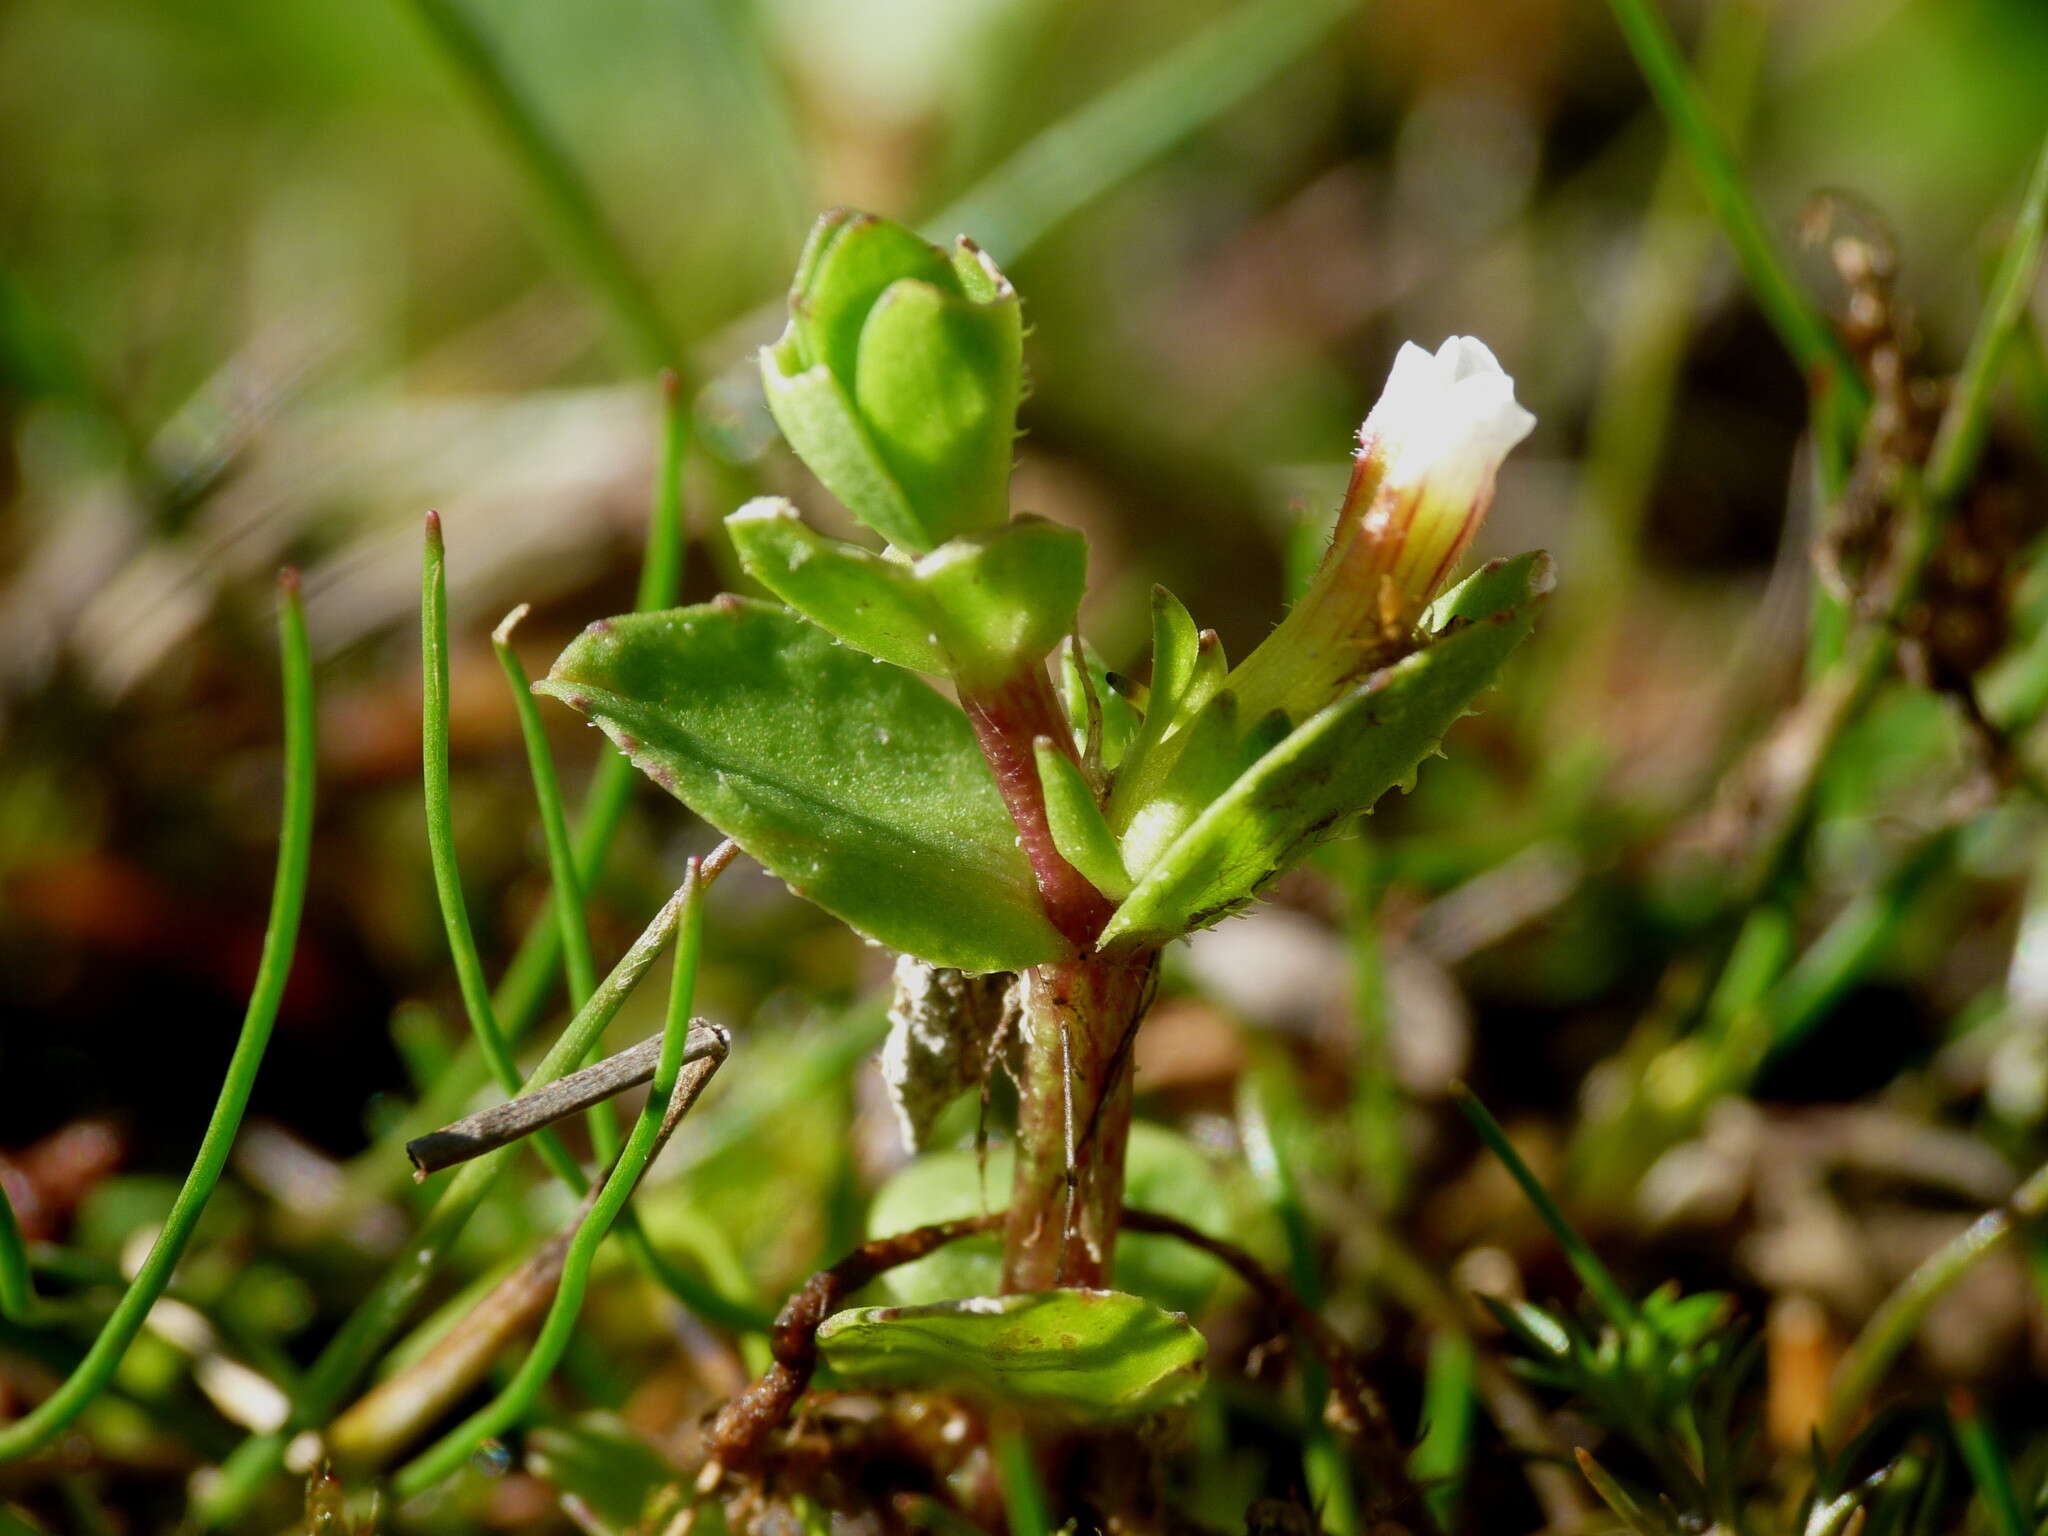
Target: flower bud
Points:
(898, 377)
(1427, 457)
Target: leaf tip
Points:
(762, 509)
(502, 635)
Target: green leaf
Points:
(974, 609)
(1078, 830)
(1176, 659)
(849, 261)
(1175, 642)
(1618, 1498)
(1204, 758)
(1534, 1329)
(818, 419)
(1119, 719)
(898, 378)
(1211, 668)
(1497, 587)
(603, 1462)
(1006, 597)
(1092, 1357)
(872, 603)
(1336, 763)
(847, 778)
(937, 383)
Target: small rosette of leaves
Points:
(1656, 1368)
(1082, 1357)
(1669, 1381)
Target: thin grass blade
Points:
(280, 938)
(668, 1099)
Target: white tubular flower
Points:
(1431, 449)
(1427, 458)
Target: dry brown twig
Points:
(394, 1411)
(501, 1124)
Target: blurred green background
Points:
(274, 281)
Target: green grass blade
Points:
(1800, 324)
(578, 226)
(421, 1044)
(378, 1315)
(1377, 1100)
(1987, 1467)
(523, 989)
(518, 1001)
(1023, 1493)
(1267, 1109)
(661, 562)
(571, 920)
(1077, 159)
(512, 1404)
(1764, 1010)
(2030, 381)
(1862, 934)
(1756, 962)
(18, 1302)
(280, 937)
(469, 965)
(1638, 390)
(572, 924)
(1449, 1392)
(1960, 439)
(1926, 500)
(1924, 503)
(1616, 1497)
(1897, 1320)
(1594, 1275)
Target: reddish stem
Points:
(1073, 1083)
(1008, 718)
(1073, 1118)
(739, 1433)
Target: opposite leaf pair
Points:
(976, 609)
(862, 787)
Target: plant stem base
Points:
(1073, 1118)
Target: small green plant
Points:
(908, 729)
(1061, 835)
(1668, 1379)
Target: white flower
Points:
(1427, 458)
(1430, 451)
